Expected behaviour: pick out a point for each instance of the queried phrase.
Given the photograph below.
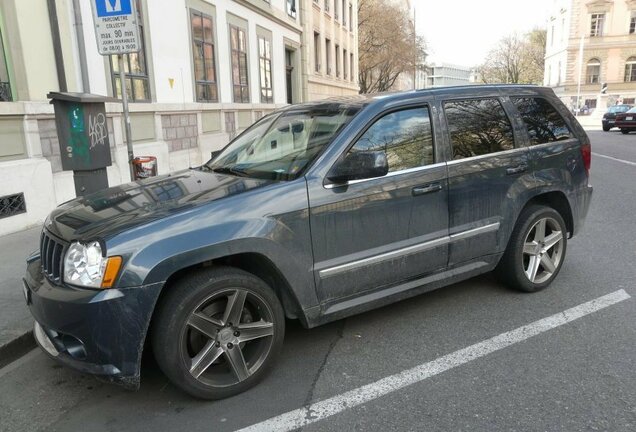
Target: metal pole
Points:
(124, 101)
(57, 46)
(81, 46)
(578, 91)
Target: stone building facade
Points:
(207, 70)
(607, 29)
(330, 48)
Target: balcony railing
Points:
(5, 92)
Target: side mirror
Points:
(358, 166)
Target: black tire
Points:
(175, 340)
(624, 131)
(606, 128)
(510, 269)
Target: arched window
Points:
(630, 69)
(593, 74)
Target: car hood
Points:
(111, 211)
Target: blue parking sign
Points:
(108, 8)
(115, 26)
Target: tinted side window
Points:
(544, 123)
(405, 136)
(478, 127)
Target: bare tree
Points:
(388, 45)
(516, 59)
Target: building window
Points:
(291, 8)
(351, 66)
(552, 35)
(559, 74)
(317, 52)
(137, 83)
(327, 5)
(350, 16)
(632, 23)
(630, 69)
(5, 87)
(345, 57)
(596, 28)
(328, 55)
(265, 67)
(240, 82)
(562, 29)
(343, 10)
(203, 57)
(337, 60)
(593, 71)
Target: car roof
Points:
(387, 98)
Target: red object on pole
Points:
(144, 167)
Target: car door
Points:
(488, 174)
(374, 233)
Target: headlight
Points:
(85, 265)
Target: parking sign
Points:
(115, 26)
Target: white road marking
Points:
(615, 159)
(334, 405)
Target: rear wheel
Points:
(536, 250)
(606, 128)
(217, 332)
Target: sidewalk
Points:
(591, 122)
(16, 324)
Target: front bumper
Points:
(101, 332)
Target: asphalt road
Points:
(578, 375)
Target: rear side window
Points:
(405, 136)
(478, 127)
(543, 122)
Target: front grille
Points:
(51, 251)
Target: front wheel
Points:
(606, 128)
(624, 131)
(536, 250)
(217, 332)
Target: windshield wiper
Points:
(227, 170)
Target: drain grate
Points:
(11, 205)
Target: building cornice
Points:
(266, 9)
(599, 5)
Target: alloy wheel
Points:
(227, 337)
(542, 250)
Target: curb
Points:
(16, 348)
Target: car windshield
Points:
(617, 109)
(633, 110)
(281, 145)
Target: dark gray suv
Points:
(316, 212)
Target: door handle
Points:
(421, 190)
(517, 170)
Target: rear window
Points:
(478, 127)
(618, 109)
(543, 122)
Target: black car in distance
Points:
(609, 118)
(316, 212)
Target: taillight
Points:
(586, 152)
